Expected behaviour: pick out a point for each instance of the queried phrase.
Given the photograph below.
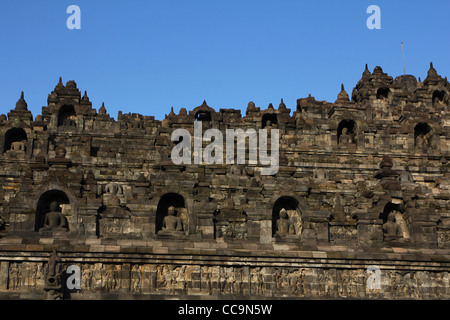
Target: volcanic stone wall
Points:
(359, 206)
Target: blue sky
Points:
(147, 56)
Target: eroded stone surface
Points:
(362, 182)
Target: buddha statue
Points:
(54, 220)
(345, 138)
(391, 229)
(284, 225)
(172, 222)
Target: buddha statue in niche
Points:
(54, 220)
(345, 138)
(391, 229)
(284, 225)
(172, 224)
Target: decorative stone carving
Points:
(343, 233)
(290, 282)
(206, 279)
(52, 274)
(230, 280)
(15, 276)
(257, 281)
(112, 230)
(136, 278)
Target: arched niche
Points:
(346, 133)
(168, 200)
(43, 206)
(439, 97)
(291, 205)
(422, 135)
(15, 139)
(383, 93)
(269, 119)
(203, 115)
(397, 210)
(67, 116)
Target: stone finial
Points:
(21, 104)
(250, 107)
(60, 84)
(85, 96)
(377, 70)
(281, 106)
(342, 96)
(171, 114)
(102, 109)
(71, 84)
(432, 71)
(270, 106)
(366, 72)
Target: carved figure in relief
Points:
(97, 276)
(15, 276)
(206, 278)
(53, 270)
(86, 276)
(136, 278)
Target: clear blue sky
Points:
(146, 56)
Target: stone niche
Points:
(53, 213)
(422, 136)
(395, 223)
(346, 134)
(15, 144)
(287, 224)
(67, 117)
(172, 219)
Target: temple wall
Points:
(363, 182)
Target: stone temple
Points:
(92, 207)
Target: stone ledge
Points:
(220, 249)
